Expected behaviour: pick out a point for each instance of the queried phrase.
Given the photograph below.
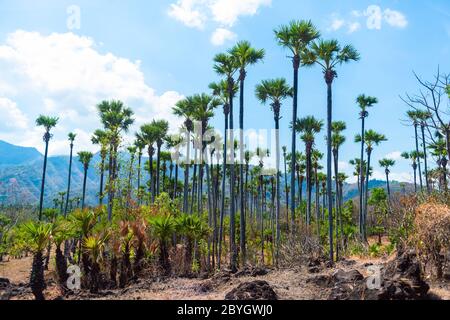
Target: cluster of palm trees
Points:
(236, 199)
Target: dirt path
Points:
(288, 284)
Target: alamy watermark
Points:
(73, 21)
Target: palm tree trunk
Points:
(286, 190)
(139, 178)
(186, 173)
(361, 176)
(337, 204)
(102, 177)
(68, 180)
(277, 210)
(366, 196)
(224, 177)
(418, 159)
(150, 171)
(329, 170)
(388, 186)
(175, 182)
(241, 169)
(308, 186)
(296, 65)
(425, 157)
(317, 199)
(41, 200)
(233, 253)
(158, 168)
(84, 188)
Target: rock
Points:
(205, 287)
(347, 276)
(314, 269)
(256, 290)
(320, 280)
(4, 282)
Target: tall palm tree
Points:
(296, 37)
(140, 146)
(308, 127)
(148, 133)
(316, 156)
(117, 119)
(286, 191)
(414, 156)
(185, 109)
(372, 139)
(174, 143)
(85, 158)
(423, 116)
(100, 137)
(275, 91)
(414, 116)
(337, 140)
(245, 55)
(225, 65)
(364, 102)
(205, 106)
(386, 164)
(161, 129)
(132, 152)
(71, 137)
(48, 123)
(328, 55)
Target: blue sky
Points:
(152, 53)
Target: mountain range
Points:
(21, 176)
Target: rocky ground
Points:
(313, 281)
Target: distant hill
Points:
(15, 155)
(21, 174)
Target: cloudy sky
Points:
(61, 58)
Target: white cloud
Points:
(189, 12)
(395, 18)
(222, 13)
(64, 75)
(343, 166)
(221, 35)
(227, 12)
(337, 24)
(393, 176)
(12, 117)
(353, 27)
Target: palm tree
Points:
(148, 134)
(275, 91)
(316, 156)
(205, 106)
(174, 142)
(423, 116)
(296, 37)
(245, 55)
(225, 65)
(100, 137)
(308, 127)
(386, 164)
(414, 156)
(439, 151)
(140, 146)
(284, 148)
(163, 228)
(185, 109)
(337, 140)
(94, 247)
(161, 129)
(372, 139)
(414, 116)
(328, 55)
(48, 123)
(71, 137)
(116, 118)
(37, 235)
(85, 158)
(132, 151)
(364, 102)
